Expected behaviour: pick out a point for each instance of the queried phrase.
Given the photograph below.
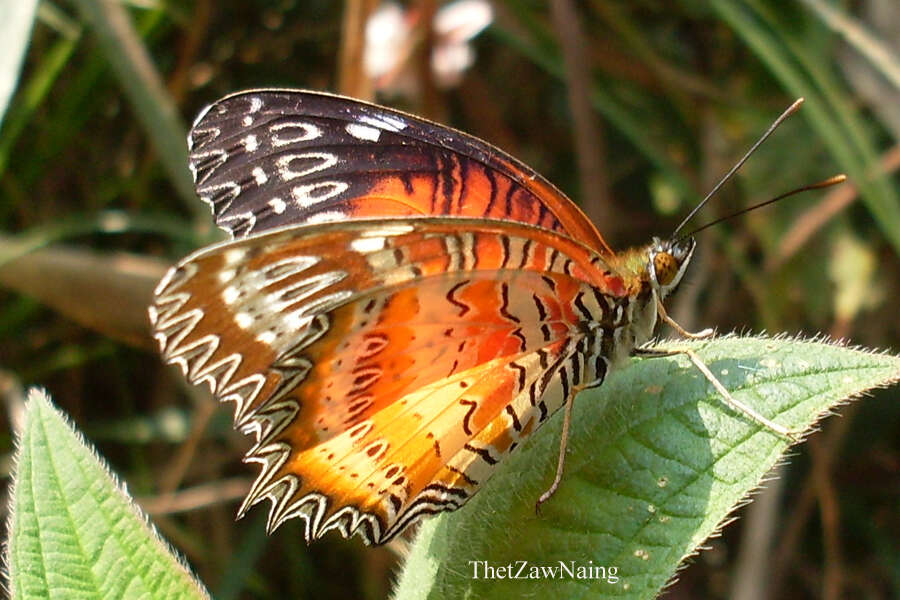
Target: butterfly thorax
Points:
(649, 274)
(656, 266)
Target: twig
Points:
(817, 216)
(352, 79)
(194, 498)
(590, 144)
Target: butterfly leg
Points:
(563, 444)
(661, 310)
(730, 400)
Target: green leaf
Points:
(656, 463)
(73, 530)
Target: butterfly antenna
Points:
(790, 110)
(836, 179)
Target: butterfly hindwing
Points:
(268, 158)
(457, 429)
(386, 366)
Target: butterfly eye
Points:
(666, 266)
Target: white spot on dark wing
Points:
(242, 223)
(283, 135)
(202, 136)
(395, 122)
(396, 275)
(207, 161)
(383, 261)
(259, 175)
(256, 103)
(320, 161)
(363, 132)
(309, 309)
(296, 320)
(230, 294)
(250, 143)
(243, 320)
(388, 230)
(266, 337)
(326, 216)
(298, 291)
(247, 121)
(219, 196)
(314, 193)
(284, 268)
(234, 255)
(278, 205)
(386, 122)
(368, 244)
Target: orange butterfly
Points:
(403, 305)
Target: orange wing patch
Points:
(387, 353)
(427, 452)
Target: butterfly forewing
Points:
(386, 366)
(267, 158)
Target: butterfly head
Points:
(667, 260)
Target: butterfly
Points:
(401, 307)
